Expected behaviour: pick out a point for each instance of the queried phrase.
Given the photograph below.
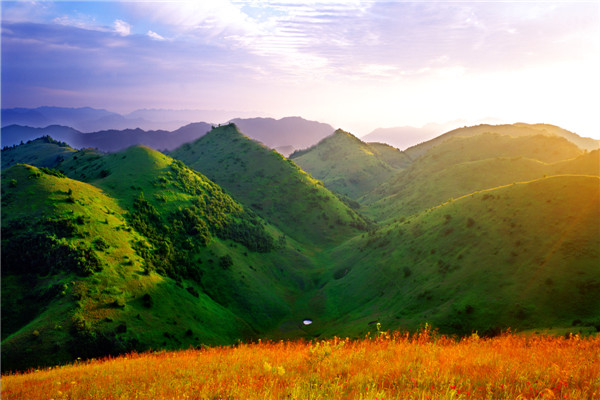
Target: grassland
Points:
(275, 187)
(524, 255)
(135, 250)
(386, 366)
(349, 166)
(463, 165)
(514, 130)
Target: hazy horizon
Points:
(357, 65)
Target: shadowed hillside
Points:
(148, 254)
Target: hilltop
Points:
(462, 165)
(42, 152)
(107, 140)
(273, 186)
(349, 166)
(284, 135)
(518, 129)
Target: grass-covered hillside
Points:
(521, 256)
(515, 130)
(76, 284)
(463, 165)
(146, 254)
(228, 241)
(273, 186)
(42, 152)
(349, 166)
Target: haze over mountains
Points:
(168, 129)
(106, 131)
(223, 239)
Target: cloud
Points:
(154, 35)
(122, 28)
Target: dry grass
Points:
(388, 367)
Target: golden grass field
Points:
(387, 366)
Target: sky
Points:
(357, 65)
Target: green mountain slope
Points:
(463, 165)
(42, 152)
(73, 284)
(390, 155)
(515, 130)
(347, 165)
(273, 186)
(521, 256)
(198, 232)
(198, 266)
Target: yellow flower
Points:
(267, 366)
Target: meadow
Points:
(380, 366)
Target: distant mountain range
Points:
(107, 131)
(87, 119)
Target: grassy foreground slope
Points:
(273, 186)
(391, 367)
(463, 165)
(524, 256)
(349, 166)
(73, 284)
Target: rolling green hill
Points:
(42, 152)
(518, 129)
(463, 165)
(521, 256)
(136, 250)
(349, 166)
(174, 260)
(273, 186)
(73, 284)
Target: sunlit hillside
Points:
(463, 165)
(105, 253)
(523, 256)
(386, 366)
(349, 166)
(515, 130)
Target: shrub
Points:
(225, 262)
(100, 244)
(147, 301)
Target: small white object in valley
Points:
(307, 322)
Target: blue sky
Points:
(356, 64)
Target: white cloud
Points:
(154, 35)
(121, 27)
